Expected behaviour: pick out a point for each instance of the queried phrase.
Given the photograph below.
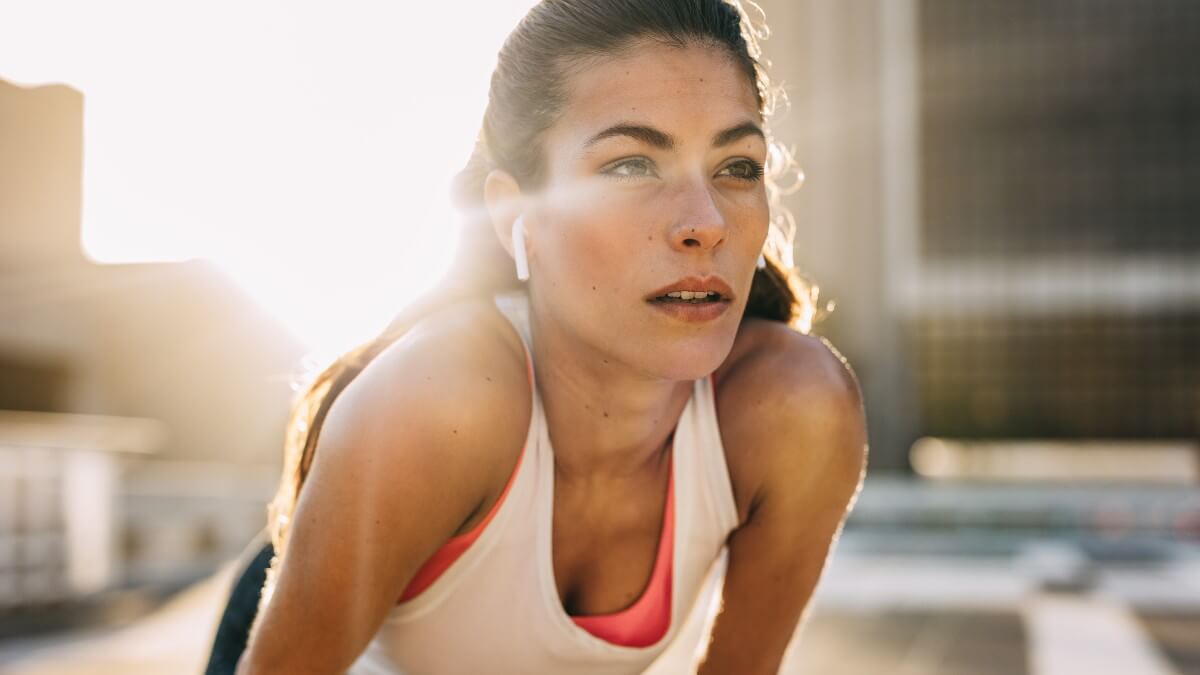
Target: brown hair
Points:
(525, 98)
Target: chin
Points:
(689, 359)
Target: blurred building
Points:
(1002, 198)
(154, 394)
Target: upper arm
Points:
(406, 454)
(799, 433)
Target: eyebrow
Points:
(664, 141)
(640, 132)
(738, 133)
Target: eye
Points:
(744, 169)
(633, 167)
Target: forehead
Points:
(678, 89)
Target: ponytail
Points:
(481, 268)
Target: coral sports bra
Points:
(639, 625)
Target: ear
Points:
(504, 202)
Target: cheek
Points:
(753, 224)
(752, 213)
(595, 249)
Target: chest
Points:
(605, 543)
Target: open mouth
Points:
(708, 290)
(689, 297)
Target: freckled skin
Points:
(614, 221)
(590, 227)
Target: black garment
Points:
(234, 629)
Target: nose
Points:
(701, 226)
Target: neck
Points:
(606, 421)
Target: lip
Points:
(711, 283)
(699, 313)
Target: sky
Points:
(305, 148)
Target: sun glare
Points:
(304, 149)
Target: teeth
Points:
(692, 295)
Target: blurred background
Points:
(197, 203)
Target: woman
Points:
(526, 473)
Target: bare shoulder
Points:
(407, 453)
(789, 407)
(455, 383)
(770, 357)
(419, 440)
(466, 353)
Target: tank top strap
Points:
(515, 306)
(712, 466)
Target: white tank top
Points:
(496, 609)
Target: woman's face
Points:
(653, 183)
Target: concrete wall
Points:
(829, 57)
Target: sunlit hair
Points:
(526, 96)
